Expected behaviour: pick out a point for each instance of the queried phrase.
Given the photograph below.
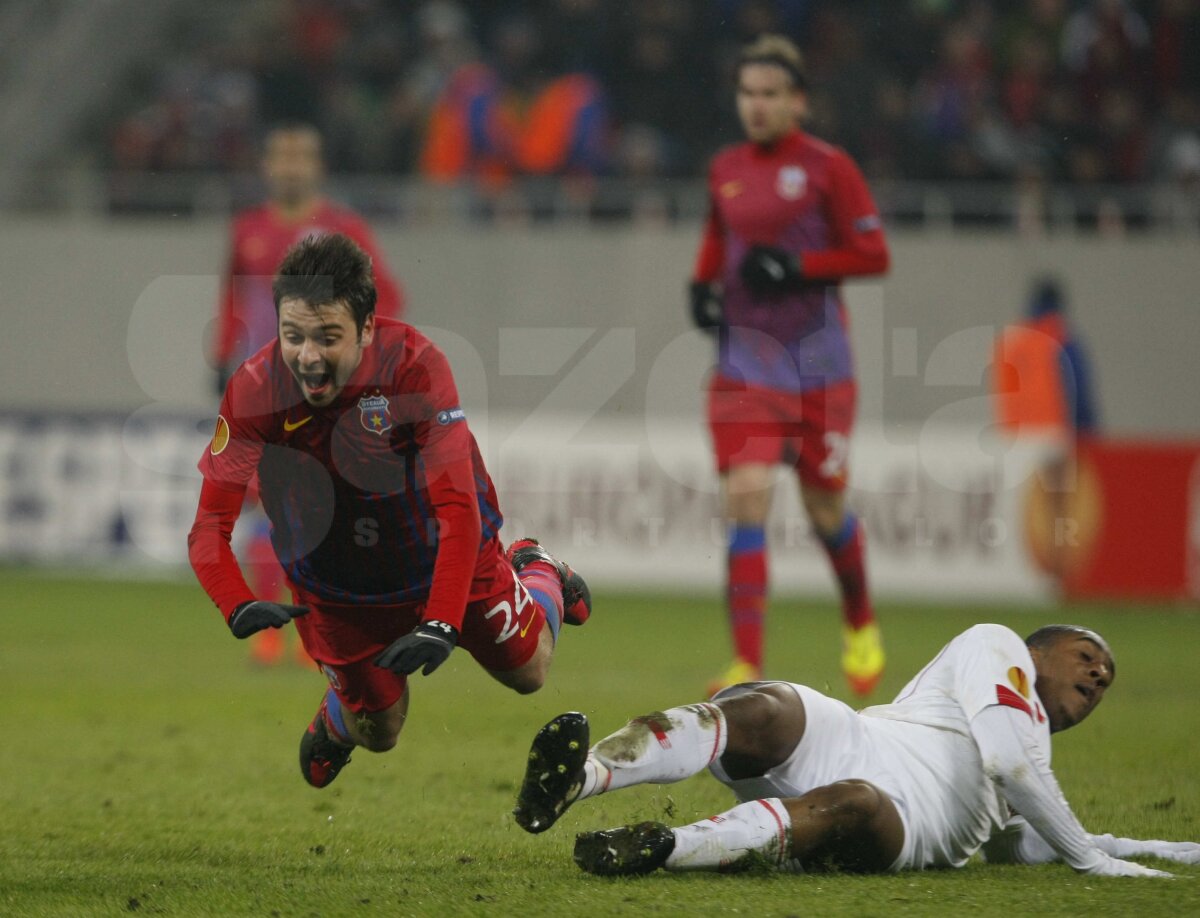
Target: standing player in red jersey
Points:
(789, 218)
(382, 513)
(295, 208)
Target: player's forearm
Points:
(209, 550)
(836, 264)
(1018, 843)
(710, 258)
(1029, 787)
(1126, 847)
(459, 531)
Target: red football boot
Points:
(577, 598)
(321, 756)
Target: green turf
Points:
(146, 767)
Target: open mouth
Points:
(316, 383)
(1084, 691)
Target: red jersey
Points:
(810, 199)
(261, 237)
(381, 497)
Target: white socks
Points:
(657, 748)
(759, 828)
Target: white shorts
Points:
(934, 777)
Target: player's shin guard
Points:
(750, 834)
(847, 554)
(657, 748)
(747, 591)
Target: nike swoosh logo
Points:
(289, 426)
(526, 628)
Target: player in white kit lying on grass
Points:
(926, 781)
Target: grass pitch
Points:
(146, 767)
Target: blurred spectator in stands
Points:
(1039, 21)
(1175, 47)
(949, 99)
(565, 131)
(1105, 45)
(579, 34)
(1124, 135)
(1026, 80)
(661, 75)
(1177, 192)
(1083, 89)
(471, 131)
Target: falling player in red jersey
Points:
(295, 208)
(789, 218)
(382, 513)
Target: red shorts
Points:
(809, 431)
(500, 630)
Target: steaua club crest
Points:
(374, 413)
(791, 183)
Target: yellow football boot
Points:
(862, 657)
(739, 671)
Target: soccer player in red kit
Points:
(382, 513)
(789, 217)
(295, 208)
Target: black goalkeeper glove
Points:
(767, 270)
(426, 645)
(254, 616)
(708, 310)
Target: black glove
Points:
(426, 645)
(708, 310)
(254, 616)
(767, 269)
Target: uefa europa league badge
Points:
(373, 412)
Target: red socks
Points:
(847, 555)
(747, 591)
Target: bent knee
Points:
(527, 679)
(527, 685)
(765, 724)
(380, 743)
(855, 799)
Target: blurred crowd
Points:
(1086, 91)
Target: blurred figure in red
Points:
(790, 218)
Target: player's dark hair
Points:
(321, 270)
(777, 50)
(1049, 635)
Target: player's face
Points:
(292, 165)
(321, 346)
(1072, 676)
(768, 103)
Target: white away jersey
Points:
(983, 666)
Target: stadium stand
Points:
(1067, 110)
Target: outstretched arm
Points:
(1012, 759)
(209, 550)
(1018, 843)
